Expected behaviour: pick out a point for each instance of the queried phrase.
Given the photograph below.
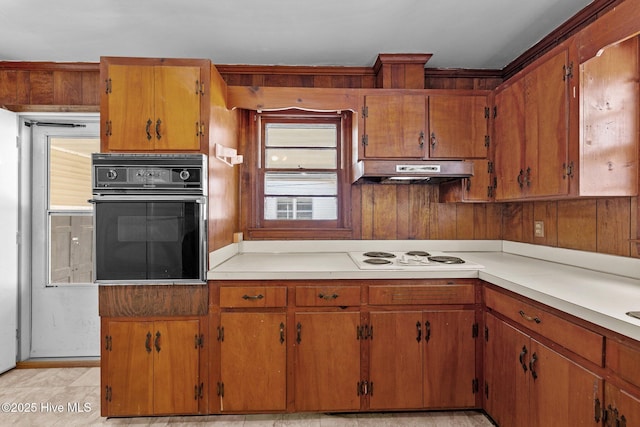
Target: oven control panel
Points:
(148, 172)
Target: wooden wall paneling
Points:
(90, 88)
(635, 220)
(494, 227)
(8, 87)
(547, 212)
(512, 221)
(443, 221)
(614, 226)
(385, 212)
(41, 87)
(480, 226)
(577, 224)
(366, 213)
(465, 224)
(403, 212)
(67, 88)
(356, 212)
(421, 199)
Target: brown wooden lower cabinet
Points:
(422, 359)
(151, 367)
(527, 384)
(253, 363)
(327, 361)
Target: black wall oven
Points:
(150, 218)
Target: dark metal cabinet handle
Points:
(156, 342)
(158, 123)
(421, 139)
(434, 141)
(328, 296)
(298, 332)
(148, 129)
(419, 330)
(523, 354)
(427, 327)
(532, 366)
(281, 333)
(147, 343)
(525, 316)
(252, 297)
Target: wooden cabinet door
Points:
(127, 121)
(395, 360)
(620, 408)
(457, 126)
(175, 367)
(253, 362)
(128, 369)
(547, 127)
(395, 126)
(449, 359)
(609, 107)
(327, 361)
(506, 371)
(177, 124)
(562, 393)
(478, 188)
(509, 141)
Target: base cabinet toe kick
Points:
(242, 347)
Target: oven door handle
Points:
(147, 198)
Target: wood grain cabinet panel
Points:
(527, 384)
(432, 293)
(579, 340)
(151, 367)
(328, 296)
(154, 105)
(253, 363)
(253, 296)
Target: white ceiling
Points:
(473, 34)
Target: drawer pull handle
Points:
(328, 297)
(525, 316)
(419, 331)
(252, 297)
(281, 333)
(147, 343)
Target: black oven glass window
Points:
(148, 240)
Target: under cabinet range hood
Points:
(411, 171)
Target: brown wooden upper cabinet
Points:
(416, 125)
(532, 131)
(154, 104)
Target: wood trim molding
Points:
(49, 66)
(296, 70)
(570, 27)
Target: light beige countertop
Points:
(594, 287)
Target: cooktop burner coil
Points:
(375, 254)
(418, 253)
(446, 259)
(377, 261)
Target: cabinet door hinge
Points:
(486, 334)
(486, 390)
(474, 386)
(474, 330)
(365, 112)
(108, 344)
(107, 84)
(495, 111)
(221, 333)
(365, 140)
(364, 332)
(487, 141)
(567, 170)
(199, 88)
(487, 111)
(108, 393)
(567, 71)
(489, 167)
(199, 341)
(198, 391)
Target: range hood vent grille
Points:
(411, 171)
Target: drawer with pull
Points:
(253, 296)
(571, 336)
(327, 296)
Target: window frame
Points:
(299, 228)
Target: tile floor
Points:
(46, 397)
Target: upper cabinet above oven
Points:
(152, 104)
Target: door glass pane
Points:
(69, 211)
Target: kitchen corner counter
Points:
(594, 287)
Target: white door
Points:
(8, 239)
